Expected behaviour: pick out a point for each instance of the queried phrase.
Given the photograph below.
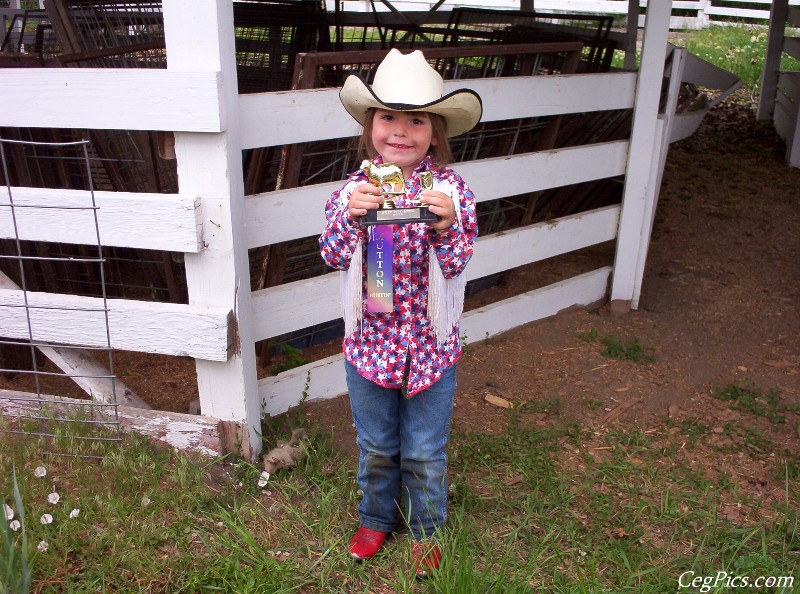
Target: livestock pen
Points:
(197, 112)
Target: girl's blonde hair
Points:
(441, 152)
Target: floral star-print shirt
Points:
(383, 342)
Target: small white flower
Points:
(15, 525)
(53, 497)
(46, 519)
(262, 481)
(42, 546)
(8, 512)
(40, 472)
(74, 513)
(145, 501)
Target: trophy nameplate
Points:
(389, 178)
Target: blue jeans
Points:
(402, 466)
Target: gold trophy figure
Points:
(389, 178)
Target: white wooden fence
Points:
(780, 89)
(686, 14)
(214, 224)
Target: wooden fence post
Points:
(772, 61)
(199, 36)
(703, 17)
(661, 146)
(641, 153)
(631, 34)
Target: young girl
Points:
(402, 343)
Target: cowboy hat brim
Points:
(461, 109)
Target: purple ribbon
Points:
(380, 269)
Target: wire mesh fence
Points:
(81, 427)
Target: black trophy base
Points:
(399, 216)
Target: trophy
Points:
(389, 178)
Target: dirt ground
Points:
(720, 305)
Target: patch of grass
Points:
(552, 406)
(593, 403)
(747, 397)
(631, 350)
(557, 510)
(738, 49)
(694, 429)
(791, 468)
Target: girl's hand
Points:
(365, 197)
(440, 204)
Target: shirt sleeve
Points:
(341, 234)
(454, 245)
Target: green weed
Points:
(626, 351)
(292, 357)
(16, 572)
(593, 403)
(747, 397)
(631, 350)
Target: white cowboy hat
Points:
(406, 82)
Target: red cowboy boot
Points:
(425, 557)
(366, 543)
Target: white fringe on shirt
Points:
(445, 299)
(445, 295)
(351, 291)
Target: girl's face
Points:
(402, 137)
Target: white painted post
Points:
(641, 153)
(772, 61)
(793, 140)
(661, 147)
(703, 17)
(631, 34)
(199, 37)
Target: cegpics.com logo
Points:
(723, 579)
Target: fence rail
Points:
(701, 13)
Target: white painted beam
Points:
(108, 98)
(126, 219)
(142, 326)
(578, 291)
(325, 379)
(267, 215)
(317, 113)
(509, 176)
(526, 245)
(188, 433)
(276, 311)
